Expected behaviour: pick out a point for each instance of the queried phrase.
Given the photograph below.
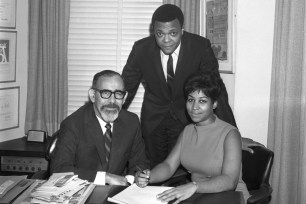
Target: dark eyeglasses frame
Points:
(116, 92)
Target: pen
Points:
(142, 171)
(139, 169)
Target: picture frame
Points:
(8, 14)
(219, 20)
(8, 56)
(9, 108)
(36, 136)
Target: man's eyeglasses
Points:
(105, 93)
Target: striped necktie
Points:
(108, 140)
(170, 73)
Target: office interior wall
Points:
(21, 69)
(255, 29)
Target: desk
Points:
(100, 194)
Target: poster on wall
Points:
(8, 14)
(9, 108)
(220, 24)
(8, 56)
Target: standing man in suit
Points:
(163, 114)
(100, 142)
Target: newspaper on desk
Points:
(63, 188)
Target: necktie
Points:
(108, 140)
(170, 73)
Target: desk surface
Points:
(20, 147)
(100, 194)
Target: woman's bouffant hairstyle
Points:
(208, 82)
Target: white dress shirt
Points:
(164, 59)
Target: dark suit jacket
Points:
(80, 147)
(144, 62)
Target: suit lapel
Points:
(116, 145)
(95, 132)
(159, 67)
(179, 67)
(179, 71)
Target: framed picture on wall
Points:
(9, 108)
(219, 27)
(8, 56)
(8, 14)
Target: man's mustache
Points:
(111, 105)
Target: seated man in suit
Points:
(100, 142)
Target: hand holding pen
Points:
(142, 177)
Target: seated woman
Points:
(210, 149)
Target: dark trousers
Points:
(162, 139)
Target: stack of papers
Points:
(62, 188)
(12, 186)
(9, 182)
(25, 197)
(136, 195)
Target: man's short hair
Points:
(167, 13)
(104, 73)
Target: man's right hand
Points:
(113, 179)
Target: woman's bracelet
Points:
(195, 183)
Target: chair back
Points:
(44, 174)
(52, 145)
(256, 167)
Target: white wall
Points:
(21, 69)
(255, 27)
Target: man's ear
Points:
(215, 105)
(91, 94)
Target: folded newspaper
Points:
(63, 188)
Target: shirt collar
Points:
(103, 123)
(176, 51)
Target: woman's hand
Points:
(142, 178)
(179, 193)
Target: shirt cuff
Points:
(130, 178)
(100, 178)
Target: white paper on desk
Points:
(136, 195)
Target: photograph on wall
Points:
(8, 56)
(9, 108)
(8, 14)
(219, 29)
